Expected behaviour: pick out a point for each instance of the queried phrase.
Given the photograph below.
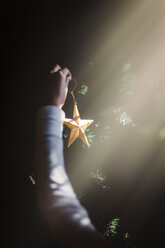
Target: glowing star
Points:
(77, 127)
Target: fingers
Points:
(55, 69)
(66, 73)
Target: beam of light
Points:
(136, 34)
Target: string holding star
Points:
(76, 124)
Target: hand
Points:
(60, 79)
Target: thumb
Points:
(68, 79)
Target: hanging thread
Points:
(71, 91)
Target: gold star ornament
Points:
(77, 126)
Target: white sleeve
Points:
(57, 199)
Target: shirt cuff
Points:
(50, 121)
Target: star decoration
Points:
(77, 126)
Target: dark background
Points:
(35, 36)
